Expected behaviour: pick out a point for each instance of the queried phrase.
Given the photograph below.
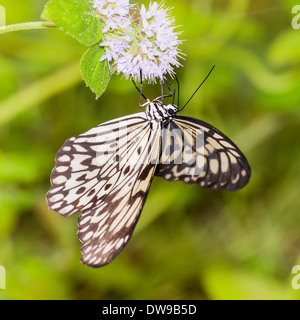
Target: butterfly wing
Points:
(193, 151)
(105, 173)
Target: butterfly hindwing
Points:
(105, 173)
(195, 152)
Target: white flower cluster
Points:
(145, 45)
(115, 13)
(116, 19)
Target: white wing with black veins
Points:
(105, 173)
(193, 151)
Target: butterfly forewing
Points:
(105, 173)
(86, 163)
(201, 154)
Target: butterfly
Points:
(106, 172)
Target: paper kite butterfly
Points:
(106, 172)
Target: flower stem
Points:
(27, 26)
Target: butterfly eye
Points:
(171, 112)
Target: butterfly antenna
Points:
(198, 88)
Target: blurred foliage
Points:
(190, 243)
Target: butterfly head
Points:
(171, 109)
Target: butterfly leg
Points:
(171, 93)
(178, 89)
(139, 90)
(162, 91)
(141, 87)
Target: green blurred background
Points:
(190, 243)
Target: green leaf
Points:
(95, 73)
(77, 18)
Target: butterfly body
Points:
(106, 172)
